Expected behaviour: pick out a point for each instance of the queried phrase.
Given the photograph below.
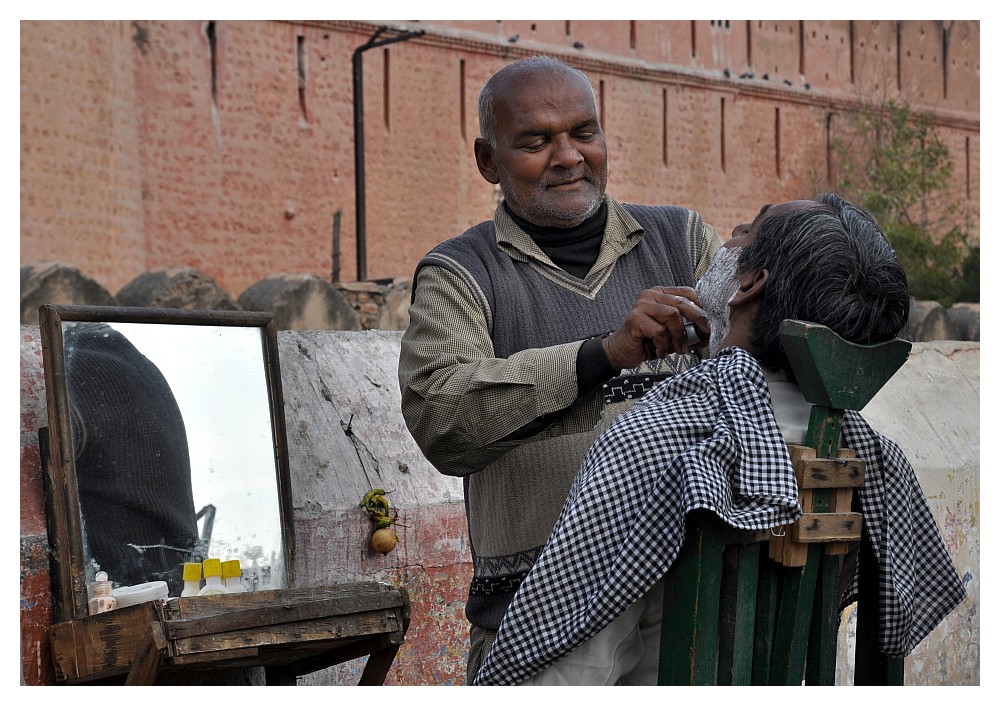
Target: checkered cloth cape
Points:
(918, 583)
(704, 439)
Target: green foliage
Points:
(946, 271)
(897, 167)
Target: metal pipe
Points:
(359, 141)
(335, 258)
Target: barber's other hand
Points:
(655, 327)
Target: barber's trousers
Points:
(625, 653)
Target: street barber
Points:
(531, 331)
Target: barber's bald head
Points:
(514, 76)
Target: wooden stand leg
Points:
(279, 676)
(821, 661)
(768, 587)
(689, 633)
(737, 611)
(377, 666)
(147, 663)
(379, 661)
(794, 615)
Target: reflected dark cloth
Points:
(132, 465)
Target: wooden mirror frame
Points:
(59, 468)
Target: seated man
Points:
(589, 610)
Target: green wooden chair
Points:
(745, 608)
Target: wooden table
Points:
(289, 632)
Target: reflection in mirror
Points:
(171, 424)
(173, 443)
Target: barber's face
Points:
(715, 290)
(551, 159)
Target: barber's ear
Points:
(751, 289)
(485, 161)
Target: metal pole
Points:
(359, 163)
(359, 142)
(335, 264)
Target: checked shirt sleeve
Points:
(458, 398)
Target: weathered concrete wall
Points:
(345, 434)
(36, 596)
(931, 409)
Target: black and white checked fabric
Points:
(707, 439)
(703, 439)
(918, 583)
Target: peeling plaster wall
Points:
(931, 409)
(346, 435)
(345, 431)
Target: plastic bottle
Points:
(102, 600)
(213, 578)
(192, 579)
(232, 576)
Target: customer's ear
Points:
(485, 161)
(751, 288)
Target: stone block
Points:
(964, 318)
(395, 312)
(929, 322)
(175, 288)
(50, 282)
(301, 302)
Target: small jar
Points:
(102, 601)
(232, 576)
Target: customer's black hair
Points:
(832, 265)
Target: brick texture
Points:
(229, 146)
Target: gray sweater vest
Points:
(513, 503)
(528, 310)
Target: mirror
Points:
(165, 445)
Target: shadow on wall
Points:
(299, 302)
(304, 302)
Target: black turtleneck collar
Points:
(574, 249)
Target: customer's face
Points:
(550, 159)
(716, 289)
(719, 284)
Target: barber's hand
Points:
(655, 327)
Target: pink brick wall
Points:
(81, 170)
(147, 144)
